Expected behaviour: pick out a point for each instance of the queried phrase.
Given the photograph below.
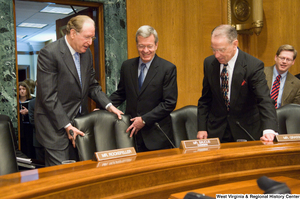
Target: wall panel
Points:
(184, 28)
(184, 37)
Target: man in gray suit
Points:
(65, 77)
(289, 85)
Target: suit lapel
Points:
(238, 77)
(215, 79)
(134, 75)
(288, 88)
(269, 76)
(68, 59)
(150, 74)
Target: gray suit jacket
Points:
(250, 104)
(291, 90)
(59, 93)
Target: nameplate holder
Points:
(116, 153)
(288, 137)
(191, 144)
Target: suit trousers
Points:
(55, 157)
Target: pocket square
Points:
(244, 82)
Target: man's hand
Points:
(268, 137)
(116, 111)
(202, 135)
(136, 125)
(72, 136)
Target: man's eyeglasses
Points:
(85, 37)
(141, 47)
(221, 50)
(287, 59)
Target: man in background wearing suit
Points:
(279, 76)
(148, 83)
(235, 96)
(65, 78)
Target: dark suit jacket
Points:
(291, 90)
(156, 100)
(250, 102)
(59, 94)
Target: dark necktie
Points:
(141, 76)
(225, 87)
(275, 89)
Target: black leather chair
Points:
(184, 124)
(8, 163)
(289, 119)
(103, 131)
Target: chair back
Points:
(8, 163)
(289, 119)
(103, 131)
(184, 124)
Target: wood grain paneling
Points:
(184, 28)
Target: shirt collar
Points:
(275, 73)
(147, 64)
(69, 46)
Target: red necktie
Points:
(275, 89)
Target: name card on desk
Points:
(117, 153)
(190, 144)
(287, 137)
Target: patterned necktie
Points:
(141, 76)
(77, 64)
(225, 87)
(275, 89)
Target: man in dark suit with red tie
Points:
(235, 97)
(148, 83)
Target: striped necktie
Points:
(275, 89)
(225, 86)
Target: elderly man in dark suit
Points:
(148, 83)
(65, 78)
(279, 76)
(235, 96)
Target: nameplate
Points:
(287, 137)
(200, 149)
(190, 144)
(117, 153)
(116, 161)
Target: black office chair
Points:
(289, 119)
(103, 131)
(8, 163)
(184, 124)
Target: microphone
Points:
(194, 195)
(245, 130)
(272, 187)
(156, 124)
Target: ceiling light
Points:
(32, 25)
(21, 36)
(57, 10)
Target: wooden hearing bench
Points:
(157, 174)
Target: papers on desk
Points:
(24, 160)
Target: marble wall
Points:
(8, 92)
(115, 34)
